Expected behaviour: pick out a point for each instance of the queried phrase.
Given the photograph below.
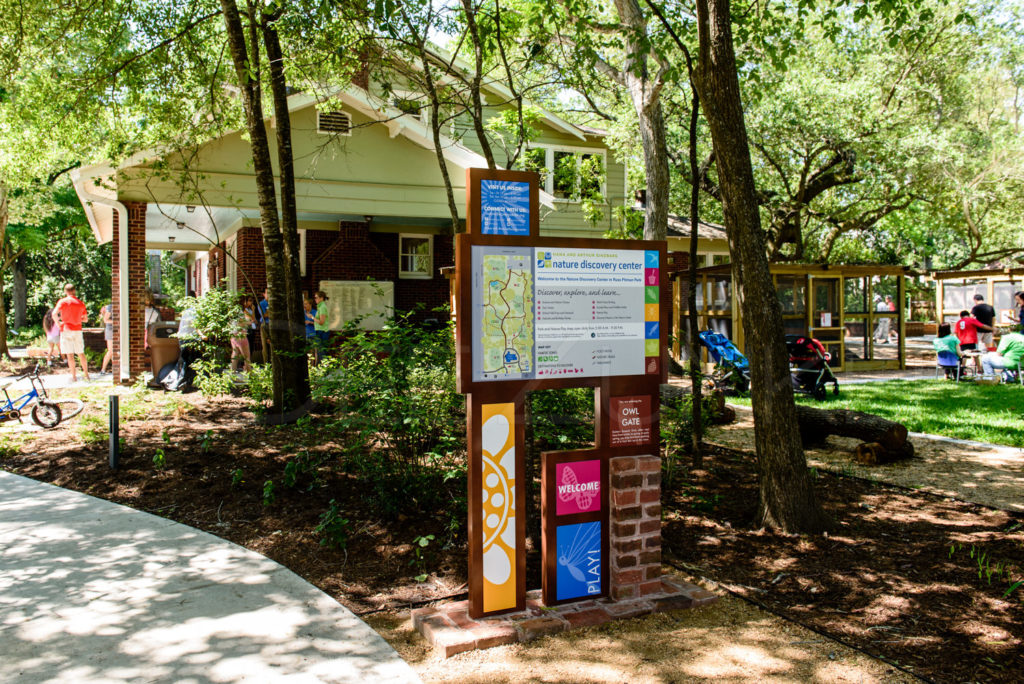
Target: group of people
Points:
(254, 317)
(972, 336)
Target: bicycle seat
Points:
(7, 384)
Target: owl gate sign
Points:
(538, 313)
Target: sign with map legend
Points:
(554, 312)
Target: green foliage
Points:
(989, 568)
(212, 378)
(333, 527)
(92, 429)
(419, 555)
(237, 478)
(562, 419)
(159, 459)
(269, 496)
(401, 421)
(677, 431)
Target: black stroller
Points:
(808, 366)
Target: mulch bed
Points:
(883, 580)
(203, 450)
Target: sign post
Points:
(549, 313)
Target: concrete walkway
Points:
(92, 591)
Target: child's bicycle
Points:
(46, 413)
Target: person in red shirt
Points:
(72, 312)
(966, 330)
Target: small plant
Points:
(237, 478)
(333, 528)
(207, 440)
(166, 436)
(268, 493)
(419, 558)
(92, 429)
(159, 460)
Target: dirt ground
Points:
(990, 475)
(899, 577)
(730, 641)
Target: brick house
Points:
(371, 207)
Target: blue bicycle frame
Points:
(24, 399)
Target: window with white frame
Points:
(570, 174)
(415, 256)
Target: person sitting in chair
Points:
(946, 341)
(1007, 356)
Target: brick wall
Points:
(635, 540)
(353, 253)
(136, 236)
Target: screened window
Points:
(415, 256)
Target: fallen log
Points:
(817, 424)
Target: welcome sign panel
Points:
(574, 507)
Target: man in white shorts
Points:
(71, 312)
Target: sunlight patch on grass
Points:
(986, 413)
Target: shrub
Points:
(402, 422)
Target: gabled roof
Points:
(88, 180)
(680, 226)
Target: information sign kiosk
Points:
(549, 313)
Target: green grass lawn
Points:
(987, 413)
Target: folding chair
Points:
(945, 360)
(1007, 374)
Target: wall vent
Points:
(333, 123)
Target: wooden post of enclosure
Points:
(556, 313)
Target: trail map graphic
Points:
(506, 334)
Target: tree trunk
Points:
(645, 93)
(297, 363)
(4, 351)
(787, 498)
(247, 72)
(475, 82)
(696, 455)
(20, 294)
(817, 424)
(435, 132)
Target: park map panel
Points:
(506, 334)
(545, 312)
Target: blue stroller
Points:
(732, 369)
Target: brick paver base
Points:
(450, 630)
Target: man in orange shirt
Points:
(71, 312)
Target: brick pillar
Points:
(635, 543)
(138, 360)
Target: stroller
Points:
(732, 369)
(808, 366)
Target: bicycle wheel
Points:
(46, 415)
(70, 407)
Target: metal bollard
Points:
(115, 441)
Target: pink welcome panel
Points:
(578, 487)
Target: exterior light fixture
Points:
(170, 238)
(190, 208)
(181, 226)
